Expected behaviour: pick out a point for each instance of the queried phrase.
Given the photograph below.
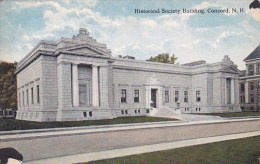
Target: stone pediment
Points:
(84, 49)
(83, 44)
(230, 69)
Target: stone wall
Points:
(29, 78)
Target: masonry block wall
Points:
(50, 85)
(27, 81)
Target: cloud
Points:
(149, 23)
(19, 5)
(140, 36)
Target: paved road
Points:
(39, 145)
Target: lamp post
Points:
(257, 97)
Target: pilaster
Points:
(64, 85)
(95, 86)
(103, 85)
(75, 85)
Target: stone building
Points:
(250, 82)
(78, 79)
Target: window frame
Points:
(252, 98)
(176, 96)
(252, 85)
(166, 96)
(27, 97)
(123, 96)
(186, 98)
(198, 98)
(38, 94)
(136, 96)
(23, 97)
(32, 96)
(251, 69)
(242, 87)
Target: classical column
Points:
(95, 89)
(246, 92)
(232, 91)
(75, 85)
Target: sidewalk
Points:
(87, 157)
(41, 133)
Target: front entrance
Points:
(153, 98)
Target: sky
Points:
(190, 36)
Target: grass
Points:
(240, 151)
(234, 114)
(12, 124)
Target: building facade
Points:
(78, 79)
(250, 82)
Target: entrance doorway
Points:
(153, 98)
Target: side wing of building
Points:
(201, 88)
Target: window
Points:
(185, 96)
(242, 87)
(251, 70)
(198, 96)
(123, 95)
(242, 99)
(252, 99)
(32, 95)
(252, 86)
(38, 94)
(136, 95)
(166, 96)
(258, 65)
(176, 96)
(83, 97)
(27, 97)
(23, 97)
(19, 99)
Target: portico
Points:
(153, 90)
(85, 93)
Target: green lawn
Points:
(240, 151)
(12, 124)
(235, 114)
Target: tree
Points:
(164, 58)
(8, 90)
